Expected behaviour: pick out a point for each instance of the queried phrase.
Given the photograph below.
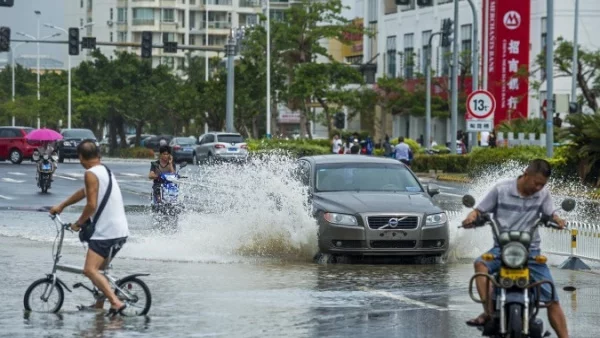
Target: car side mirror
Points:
(433, 189)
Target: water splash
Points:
(238, 212)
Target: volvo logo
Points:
(393, 222)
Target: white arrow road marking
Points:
(6, 197)
(10, 180)
(131, 175)
(17, 173)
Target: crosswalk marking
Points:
(66, 177)
(17, 174)
(6, 197)
(11, 180)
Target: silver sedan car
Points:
(372, 206)
(219, 146)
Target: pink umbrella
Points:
(43, 135)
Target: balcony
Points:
(218, 2)
(200, 26)
(143, 22)
(250, 3)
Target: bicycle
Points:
(51, 284)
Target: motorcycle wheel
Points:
(515, 321)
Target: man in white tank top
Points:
(111, 227)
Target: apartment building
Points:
(406, 29)
(187, 22)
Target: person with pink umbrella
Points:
(45, 154)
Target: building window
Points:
(425, 38)
(441, 2)
(192, 20)
(121, 15)
(445, 58)
(111, 14)
(80, 22)
(90, 5)
(192, 40)
(168, 37)
(277, 15)
(168, 15)
(251, 19)
(111, 37)
(543, 50)
(192, 2)
(409, 57)
(408, 7)
(391, 56)
(168, 60)
(466, 34)
(121, 36)
(390, 7)
(373, 11)
(143, 16)
(81, 4)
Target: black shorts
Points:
(102, 246)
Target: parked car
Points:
(182, 149)
(371, 206)
(154, 141)
(67, 147)
(219, 146)
(14, 146)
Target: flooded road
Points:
(260, 297)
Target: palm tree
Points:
(584, 134)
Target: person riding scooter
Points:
(164, 165)
(45, 152)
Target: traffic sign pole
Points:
(481, 106)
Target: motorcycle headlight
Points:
(514, 255)
(436, 219)
(341, 219)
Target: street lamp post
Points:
(575, 50)
(69, 69)
(235, 37)
(268, 69)
(38, 61)
(37, 15)
(206, 70)
(12, 57)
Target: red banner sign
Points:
(506, 56)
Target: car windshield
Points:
(28, 130)
(184, 141)
(233, 138)
(79, 134)
(365, 177)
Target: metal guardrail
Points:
(579, 241)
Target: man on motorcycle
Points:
(516, 205)
(164, 165)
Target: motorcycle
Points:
(167, 202)
(515, 294)
(45, 168)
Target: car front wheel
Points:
(16, 157)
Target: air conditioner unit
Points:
(109, 23)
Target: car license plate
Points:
(514, 273)
(232, 149)
(187, 149)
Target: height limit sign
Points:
(481, 106)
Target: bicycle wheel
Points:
(33, 296)
(136, 295)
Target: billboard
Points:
(506, 25)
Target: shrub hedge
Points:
(564, 161)
(137, 152)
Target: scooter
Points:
(167, 203)
(515, 294)
(45, 166)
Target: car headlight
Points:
(436, 219)
(67, 144)
(514, 255)
(341, 219)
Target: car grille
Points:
(403, 222)
(393, 244)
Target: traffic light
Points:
(7, 3)
(146, 44)
(425, 3)
(340, 120)
(88, 43)
(403, 2)
(4, 39)
(170, 47)
(73, 41)
(447, 30)
(573, 107)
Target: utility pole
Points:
(230, 53)
(454, 81)
(428, 93)
(549, 78)
(575, 50)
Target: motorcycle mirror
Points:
(35, 156)
(468, 201)
(568, 204)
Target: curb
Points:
(452, 178)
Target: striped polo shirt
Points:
(514, 212)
